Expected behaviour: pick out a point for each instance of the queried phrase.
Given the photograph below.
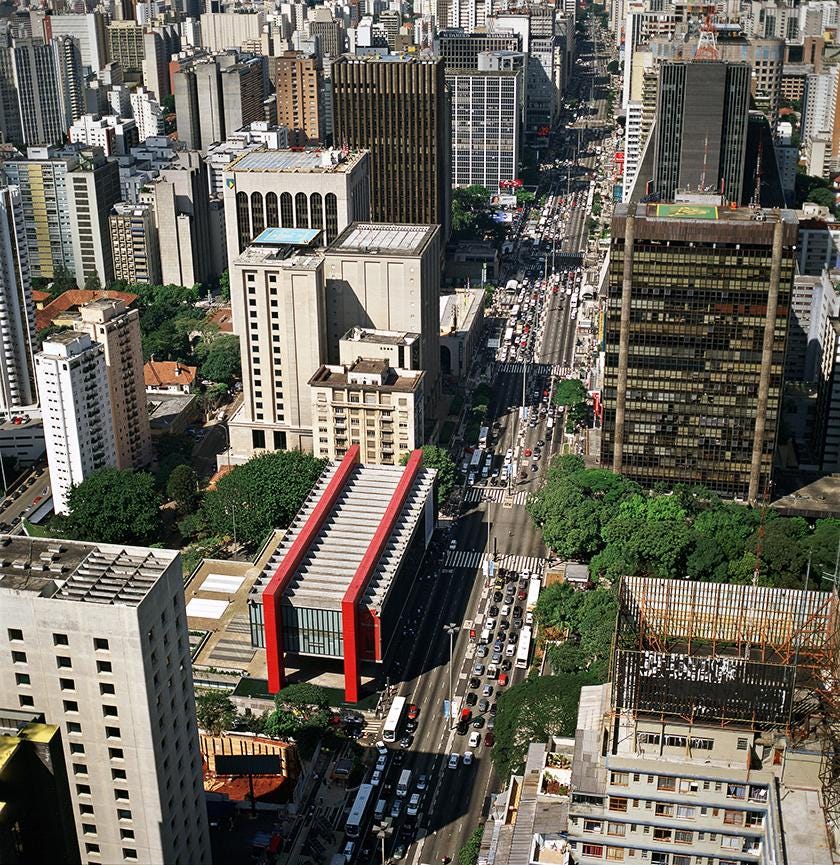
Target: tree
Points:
(214, 711)
(824, 197)
(92, 282)
(224, 285)
(171, 451)
(300, 710)
(168, 104)
(182, 488)
(114, 506)
(438, 458)
(468, 854)
(613, 67)
(570, 391)
(219, 359)
(261, 495)
(523, 197)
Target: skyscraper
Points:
(78, 429)
(299, 88)
(701, 128)
(94, 636)
(36, 86)
(696, 331)
(17, 313)
(71, 84)
(134, 244)
(398, 108)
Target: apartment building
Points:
(78, 426)
(126, 47)
(134, 244)
(299, 86)
(117, 329)
(95, 638)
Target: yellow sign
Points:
(687, 211)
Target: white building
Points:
(147, 114)
(95, 638)
(89, 29)
(17, 313)
(820, 103)
(253, 137)
(115, 135)
(79, 432)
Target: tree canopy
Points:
(438, 458)
(113, 506)
(214, 711)
(261, 495)
(182, 488)
(219, 359)
(472, 215)
(299, 710)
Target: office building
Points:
(696, 330)
(134, 244)
(221, 31)
(701, 129)
(298, 81)
(78, 428)
(330, 33)
(252, 137)
(147, 114)
(94, 637)
(398, 108)
(126, 47)
(387, 277)
(17, 312)
(114, 136)
(36, 815)
(460, 49)
(88, 29)
(336, 585)
(42, 180)
(266, 188)
(93, 188)
(486, 120)
(71, 82)
(366, 402)
(37, 93)
(159, 44)
(819, 108)
(116, 328)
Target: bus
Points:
(358, 813)
(394, 720)
(523, 650)
(475, 462)
(483, 434)
(534, 587)
(509, 334)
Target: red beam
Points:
(355, 591)
(272, 595)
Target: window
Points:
(648, 738)
(67, 684)
(733, 818)
(80, 769)
(88, 829)
(678, 859)
(118, 774)
(615, 854)
(112, 732)
(63, 662)
(60, 640)
(129, 854)
(617, 804)
(103, 667)
(100, 644)
(92, 848)
(620, 779)
(743, 744)
(687, 785)
(126, 834)
(106, 688)
(123, 814)
(15, 635)
(121, 795)
(754, 819)
(592, 850)
(84, 808)
(592, 825)
(736, 791)
(662, 834)
(618, 829)
(83, 789)
(22, 679)
(666, 783)
(77, 748)
(26, 701)
(664, 809)
(683, 837)
(18, 657)
(702, 744)
(730, 842)
(71, 706)
(686, 812)
(110, 711)
(758, 794)
(115, 753)
(675, 741)
(74, 727)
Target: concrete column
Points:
(624, 337)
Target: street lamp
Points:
(383, 831)
(452, 630)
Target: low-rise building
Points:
(168, 376)
(461, 324)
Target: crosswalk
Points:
(516, 368)
(495, 494)
(473, 559)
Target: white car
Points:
(381, 762)
(468, 757)
(376, 778)
(505, 610)
(453, 544)
(381, 748)
(422, 782)
(475, 741)
(413, 805)
(453, 760)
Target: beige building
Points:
(317, 189)
(117, 329)
(134, 244)
(370, 404)
(95, 638)
(299, 88)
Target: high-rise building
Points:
(94, 637)
(108, 322)
(134, 244)
(93, 188)
(126, 47)
(17, 312)
(36, 82)
(486, 119)
(147, 114)
(42, 180)
(398, 108)
(79, 431)
(701, 128)
(71, 84)
(696, 330)
(89, 29)
(299, 85)
(460, 49)
(159, 45)
(820, 103)
(330, 33)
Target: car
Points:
(503, 680)
(491, 722)
(478, 670)
(413, 805)
(398, 757)
(422, 782)
(492, 671)
(493, 611)
(396, 808)
(506, 666)
(483, 705)
(490, 623)
(474, 682)
(497, 597)
(487, 691)
(462, 728)
(381, 747)
(528, 452)
(468, 758)
(521, 594)
(499, 644)
(410, 726)
(496, 657)
(406, 741)
(453, 544)
(481, 652)
(534, 467)
(349, 850)
(398, 852)
(506, 609)
(517, 611)
(478, 723)
(541, 443)
(376, 778)
(492, 708)
(381, 762)
(475, 740)
(489, 739)
(512, 636)
(471, 698)
(413, 711)
(454, 758)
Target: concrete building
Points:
(715, 421)
(126, 47)
(398, 108)
(266, 188)
(134, 244)
(114, 136)
(78, 428)
(330, 32)
(367, 402)
(252, 137)
(819, 107)
(117, 329)
(461, 326)
(221, 31)
(336, 586)
(95, 638)
(387, 277)
(37, 92)
(159, 44)
(88, 29)
(93, 188)
(71, 83)
(298, 81)
(17, 311)
(819, 245)
(147, 114)
(460, 49)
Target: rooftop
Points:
(166, 373)
(70, 301)
(458, 310)
(280, 256)
(287, 237)
(337, 376)
(372, 238)
(314, 160)
(74, 571)
(368, 335)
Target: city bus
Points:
(523, 650)
(391, 730)
(509, 334)
(475, 462)
(483, 433)
(358, 813)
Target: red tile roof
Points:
(164, 373)
(74, 298)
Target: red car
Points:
(503, 679)
(489, 739)
(413, 711)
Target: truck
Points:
(404, 784)
(534, 586)
(512, 285)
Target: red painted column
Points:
(272, 595)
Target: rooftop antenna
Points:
(707, 44)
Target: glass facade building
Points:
(695, 337)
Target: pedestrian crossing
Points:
(516, 368)
(495, 494)
(473, 560)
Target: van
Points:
(404, 784)
(510, 650)
(529, 618)
(379, 810)
(485, 637)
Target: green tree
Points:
(167, 315)
(300, 710)
(438, 458)
(570, 391)
(261, 495)
(613, 67)
(523, 197)
(92, 282)
(114, 506)
(824, 197)
(182, 488)
(224, 285)
(214, 711)
(171, 451)
(823, 546)
(219, 359)
(784, 551)
(168, 104)
(468, 854)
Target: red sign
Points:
(619, 156)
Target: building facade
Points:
(298, 83)
(696, 331)
(134, 244)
